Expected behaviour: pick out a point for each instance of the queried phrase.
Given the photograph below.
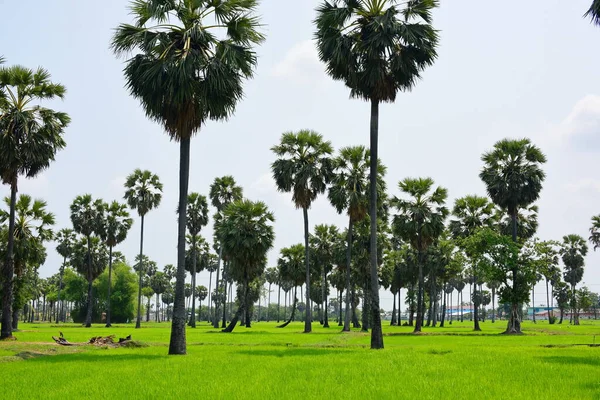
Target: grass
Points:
(549, 362)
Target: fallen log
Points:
(96, 341)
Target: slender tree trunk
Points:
(238, 314)
(138, 321)
(461, 307)
(192, 322)
(340, 301)
(444, 295)
(420, 299)
(177, 343)
(210, 298)
(108, 324)
(399, 308)
(216, 318)
(514, 322)
(9, 269)
(533, 303)
(324, 298)
(376, 331)
(365, 308)
(476, 326)
(493, 305)
(353, 304)
(348, 269)
(308, 312)
(60, 282)
(293, 311)
(393, 321)
(88, 318)
(225, 298)
(269, 304)
(575, 311)
(278, 299)
(550, 315)
(148, 311)
(157, 308)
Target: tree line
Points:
(192, 70)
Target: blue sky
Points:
(519, 69)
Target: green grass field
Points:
(549, 362)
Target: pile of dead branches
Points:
(96, 341)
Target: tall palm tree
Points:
(223, 191)
(197, 218)
(65, 239)
(323, 243)
(303, 167)
(573, 252)
(377, 48)
(349, 192)
(159, 282)
(594, 12)
(472, 213)
(420, 222)
(113, 229)
(595, 232)
(513, 176)
(32, 229)
(247, 235)
(87, 216)
(143, 192)
(191, 59)
(30, 137)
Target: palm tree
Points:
(472, 213)
(513, 176)
(573, 252)
(192, 59)
(594, 12)
(31, 230)
(595, 232)
(349, 192)
(159, 283)
(247, 234)
(113, 229)
(143, 192)
(86, 216)
(548, 267)
(377, 49)
(197, 218)
(303, 167)
(30, 137)
(65, 239)
(324, 243)
(420, 222)
(223, 191)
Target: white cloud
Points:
(581, 127)
(300, 64)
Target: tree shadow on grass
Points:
(594, 362)
(92, 357)
(292, 352)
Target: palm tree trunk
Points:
(210, 298)
(394, 321)
(340, 300)
(224, 322)
(514, 323)
(157, 312)
(108, 324)
(533, 302)
(376, 331)
(278, 299)
(193, 314)
(493, 305)
(548, 303)
(177, 343)
(138, 321)
(286, 323)
(461, 307)
(348, 268)
(308, 317)
(444, 296)
(365, 308)
(324, 298)
(88, 318)
(9, 268)
(475, 306)
(148, 311)
(419, 322)
(60, 282)
(216, 319)
(575, 311)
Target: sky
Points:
(515, 69)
